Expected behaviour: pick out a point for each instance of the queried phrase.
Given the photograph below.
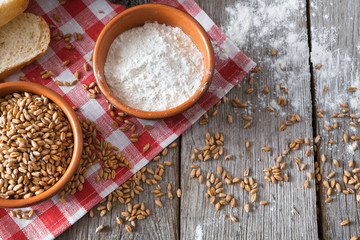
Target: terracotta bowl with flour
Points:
(136, 17)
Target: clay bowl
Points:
(135, 17)
(11, 87)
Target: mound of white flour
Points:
(154, 67)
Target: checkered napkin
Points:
(88, 17)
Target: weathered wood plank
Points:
(335, 44)
(163, 223)
(199, 219)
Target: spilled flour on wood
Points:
(339, 71)
(198, 232)
(208, 222)
(258, 25)
(336, 64)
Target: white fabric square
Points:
(47, 5)
(72, 219)
(147, 122)
(70, 27)
(108, 190)
(231, 50)
(203, 19)
(68, 76)
(45, 57)
(118, 139)
(14, 77)
(92, 169)
(21, 222)
(100, 5)
(49, 237)
(92, 110)
(194, 113)
(139, 165)
(169, 140)
(86, 57)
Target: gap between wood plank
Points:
(179, 177)
(314, 117)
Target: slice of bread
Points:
(9, 9)
(22, 40)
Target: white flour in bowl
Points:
(154, 67)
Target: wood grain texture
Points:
(335, 25)
(199, 219)
(163, 223)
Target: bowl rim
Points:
(35, 88)
(104, 88)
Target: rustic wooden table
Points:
(194, 217)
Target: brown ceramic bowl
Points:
(135, 17)
(11, 87)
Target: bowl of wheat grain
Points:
(40, 143)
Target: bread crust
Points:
(9, 9)
(15, 68)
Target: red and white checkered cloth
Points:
(53, 217)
